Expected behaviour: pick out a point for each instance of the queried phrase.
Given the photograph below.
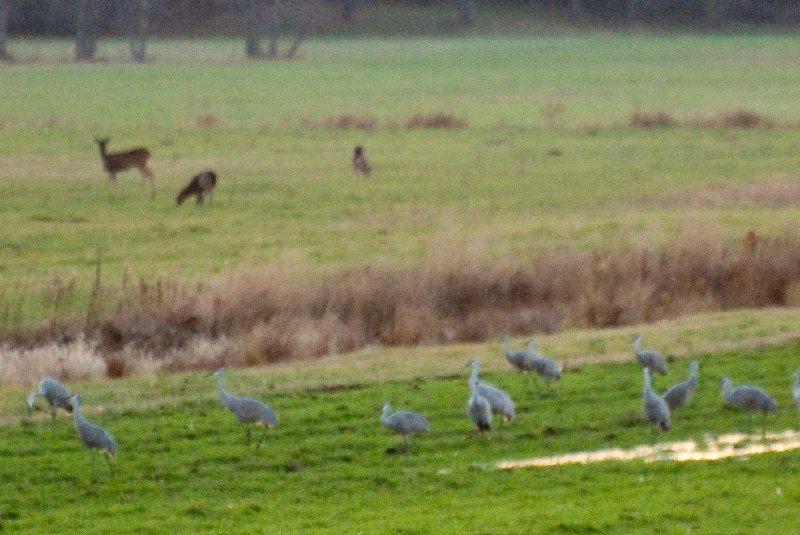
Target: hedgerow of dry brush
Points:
(256, 316)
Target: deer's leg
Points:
(146, 172)
(200, 198)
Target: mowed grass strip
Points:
(330, 466)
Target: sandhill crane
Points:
(500, 402)
(748, 398)
(92, 435)
(478, 408)
(677, 395)
(655, 407)
(530, 360)
(201, 184)
(116, 162)
(652, 360)
(246, 410)
(56, 394)
(359, 160)
(796, 388)
(403, 422)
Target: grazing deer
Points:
(201, 184)
(360, 164)
(116, 162)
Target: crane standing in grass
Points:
(676, 396)
(56, 394)
(796, 388)
(403, 422)
(655, 407)
(748, 398)
(499, 401)
(92, 435)
(246, 410)
(529, 360)
(478, 408)
(652, 360)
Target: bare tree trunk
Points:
(5, 9)
(348, 9)
(631, 12)
(274, 29)
(300, 37)
(465, 16)
(140, 26)
(575, 9)
(252, 42)
(85, 40)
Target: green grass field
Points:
(548, 159)
(329, 467)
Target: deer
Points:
(360, 164)
(200, 185)
(116, 162)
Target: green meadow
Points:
(184, 463)
(549, 158)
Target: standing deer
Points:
(116, 162)
(201, 184)
(360, 164)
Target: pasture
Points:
(548, 159)
(329, 467)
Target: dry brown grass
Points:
(653, 119)
(779, 191)
(343, 121)
(208, 120)
(734, 118)
(436, 120)
(258, 316)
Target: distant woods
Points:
(264, 24)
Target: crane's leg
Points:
(262, 437)
(247, 434)
(108, 460)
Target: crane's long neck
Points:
(647, 383)
(506, 347)
(637, 344)
(385, 413)
(726, 388)
(221, 388)
(76, 412)
(473, 374)
(532, 346)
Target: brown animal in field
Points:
(116, 162)
(360, 164)
(200, 185)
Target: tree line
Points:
(86, 20)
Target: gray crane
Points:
(652, 360)
(748, 398)
(478, 408)
(529, 360)
(92, 435)
(656, 410)
(403, 422)
(56, 394)
(246, 410)
(796, 388)
(677, 395)
(499, 401)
